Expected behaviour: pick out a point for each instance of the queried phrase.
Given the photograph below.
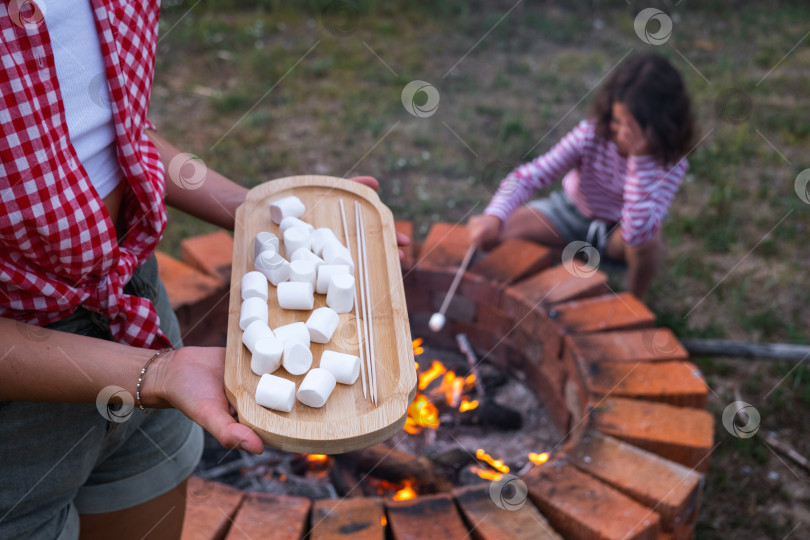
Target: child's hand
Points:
(483, 229)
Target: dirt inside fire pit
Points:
(464, 426)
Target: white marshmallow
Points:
(274, 267)
(436, 322)
(337, 253)
(288, 206)
(275, 393)
(322, 324)
(295, 295)
(302, 270)
(291, 221)
(321, 237)
(302, 254)
(316, 387)
(297, 358)
(345, 367)
(265, 241)
(296, 238)
(325, 274)
(340, 295)
(296, 332)
(253, 309)
(254, 284)
(256, 331)
(266, 357)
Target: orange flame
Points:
(436, 370)
(407, 492)
(383, 521)
(317, 458)
(421, 414)
(538, 459)
(467, 405)
(496, 464)
(417, 346)
(486, 474)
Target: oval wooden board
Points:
(348, 421)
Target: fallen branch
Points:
(722, 347)
(788, 452)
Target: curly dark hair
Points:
(654, 93)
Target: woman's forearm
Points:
(197, 190)
(56, 366)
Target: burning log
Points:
(397, 467)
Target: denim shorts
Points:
(60, 460)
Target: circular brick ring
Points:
(632, 408)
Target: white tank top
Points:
(85, 93)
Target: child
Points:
(622, 168)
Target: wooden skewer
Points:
(364, 293)
(356, 309)
(457, 279)
(373, 361)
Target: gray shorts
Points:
(62, 459)
(570, 223)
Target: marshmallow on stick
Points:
(316, 387)
(288, 206)
(345, 367)
(275, 393)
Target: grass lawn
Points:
(263, 90)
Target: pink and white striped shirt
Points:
(603, 184)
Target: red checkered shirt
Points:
(59, 245)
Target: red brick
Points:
(495, 523)
(479, 289)
(681, 434)
(210, 507)
(676, 383)
(184, 284)
(649, 344)
(428, 517)
(579, 506)
(262, 515)
(358, 518)
(444, 248)
(211, 254)
(556, 285)
(602, 313)
(494, 320)
(671, 489)
(511, 261)
(406, 228)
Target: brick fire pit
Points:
(633, 408)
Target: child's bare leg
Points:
(529, 224)
(642, 260)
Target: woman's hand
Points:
(192, 379)
(483, 229)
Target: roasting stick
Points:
(364, 293)
(368, 316)
(437, 319)
(356, 309)
(367, 294)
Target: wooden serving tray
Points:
(348, 421)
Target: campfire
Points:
(469, 422)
